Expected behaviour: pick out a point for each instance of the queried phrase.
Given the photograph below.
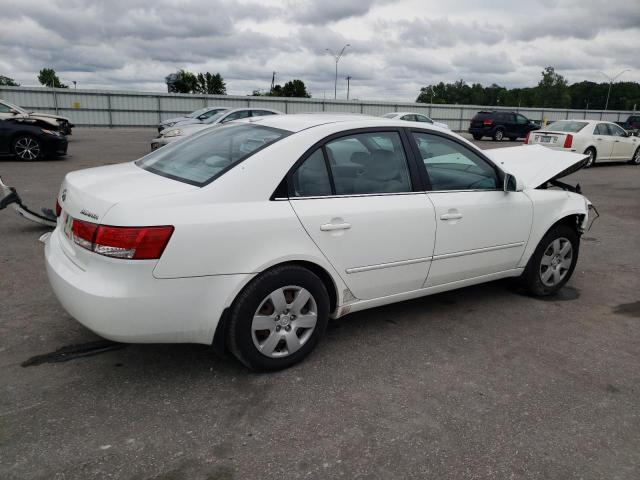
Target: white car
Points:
(180, 130)
(414, 117)
(253, 234)
(195, 117)
(601, 141)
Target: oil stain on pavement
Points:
(71, 352)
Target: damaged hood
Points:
(534, 165)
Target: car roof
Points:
(410, 113)
(303, 121)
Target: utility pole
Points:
(273, 82)
(337, 57)
(611, 80)
(348, 80)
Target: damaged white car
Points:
(252, 235)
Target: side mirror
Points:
(512, 184)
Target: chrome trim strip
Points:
(388, 265)
(477, 250)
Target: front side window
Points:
(368, 163)
(311, 179)
(409, 118)
(451, 166)
(616, 130)
(521, 119)
(200, 158)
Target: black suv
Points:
(500, 124)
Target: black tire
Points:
(531, 279)
(635, 160)
(592, 157)
(498, 135)
(27, 148)
(477, 137)
(240, 339)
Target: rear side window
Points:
(311, 179)
(367, 163)
(261, 113)
(422, 118)
(601, 129)
(236, 115)
(200, 158)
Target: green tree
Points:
(212, 84)
(295, 88)
(8, 82)
(48, 78)
(182, 81)
(553, 90)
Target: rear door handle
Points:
(328, 227)
(450, 216)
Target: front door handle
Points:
(328, 227)
(450, 216)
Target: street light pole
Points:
(348, 82)
(611, 80)
(337, 58)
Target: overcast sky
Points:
(396, 46)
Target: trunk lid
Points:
(89, 194)
(534, 165)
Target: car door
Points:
(623, 145)
(603, 140)
(480, 228)
(522, 125)
(357, 196)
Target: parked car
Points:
(253, 234)
(8, 110)
(414, 117)
(179, 131)
(30, 139)
(632, 124)
(601, 141)
(192, 118)
(499, 125)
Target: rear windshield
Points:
(483, 115)
(389, 115)
(201, 158)
(566, 126)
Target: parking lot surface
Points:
(481, 382)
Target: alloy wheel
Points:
(284, 321)
(591, 159)
(499, 135)
(26, 148)
(636, 157)
(556, 261)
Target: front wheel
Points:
(635, 160)
(552, 264)
(278, 319)
(27, 148)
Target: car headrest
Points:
(383, 166)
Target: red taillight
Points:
(487, 122)
(568, 141)
(134, 243)
(58, 208)
(526, 139)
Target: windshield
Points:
(197, 113)
(201, 158)
(214, 118)
(566, 126)
(15, 107)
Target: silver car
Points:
(180, 130)
(198, 116)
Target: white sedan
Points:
(415, 117)
(601, 141)
(252, 235)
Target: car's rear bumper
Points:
(122, 301)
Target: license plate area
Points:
(545, 139)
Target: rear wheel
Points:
(27, 148)
(278, 319)
(552, 264)
(592, 157)
(477, 137)
(498, 135)
(635, 160)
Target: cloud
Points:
(396, 46)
